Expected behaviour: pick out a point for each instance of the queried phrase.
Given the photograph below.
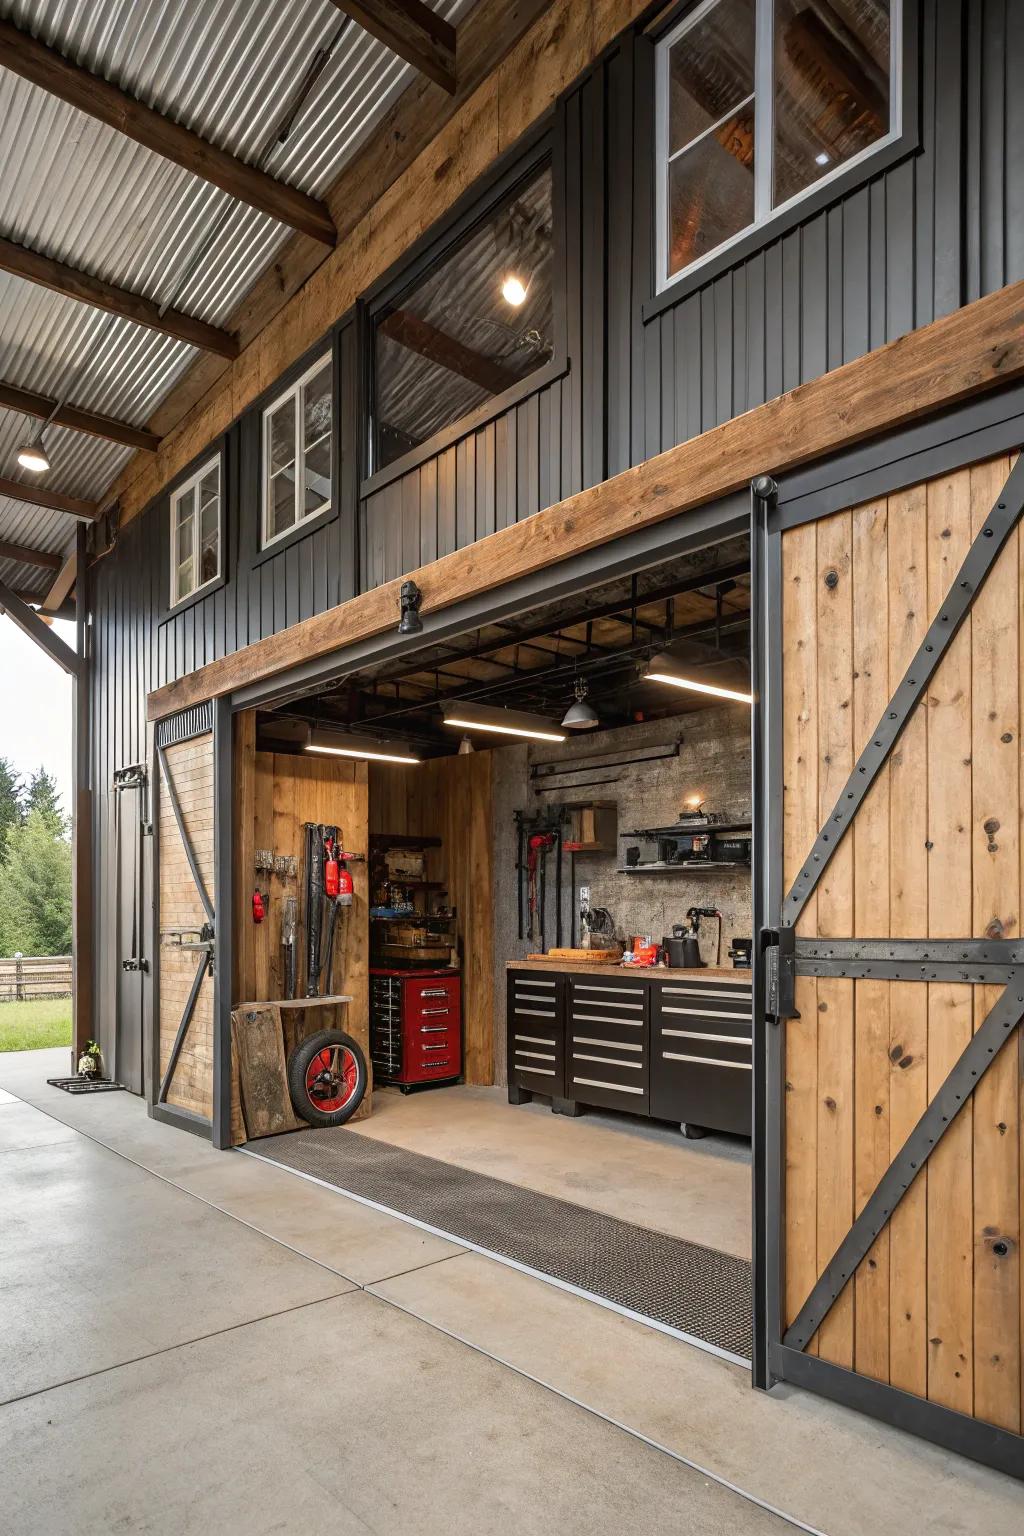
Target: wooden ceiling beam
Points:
(413, 31)
(437, 346)
(52, 72)
(47, 273)
(54, 501)
(40, 557)
(90, 422)
(29, 622)
(64, 581)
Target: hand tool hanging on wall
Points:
(315, 834)
(289, 939)
(538, 846)
(519, 872)
(338, 889)
(259, 905)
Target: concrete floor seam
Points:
(605, 1418)
(169, 1349)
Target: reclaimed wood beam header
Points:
(47, 273)
(962, 354)
(30, 404)
(51, 71)
(413, 31)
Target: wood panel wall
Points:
(191, 768)
(936, 1307)
(450, 798)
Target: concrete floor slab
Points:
(834, 1469)
(642, 1172)
(102, 1263)
(21, 1125)
(346, 1416)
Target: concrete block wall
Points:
(713, 760)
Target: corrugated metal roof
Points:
(78, 191)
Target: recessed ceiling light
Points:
(34, 456)
(663, 669)
(468, 716)
(363, 749)
(513, 290)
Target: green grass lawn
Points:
(34, 1026)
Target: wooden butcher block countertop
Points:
(655, 972)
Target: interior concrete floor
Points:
(639, 1170)
(193, 1340)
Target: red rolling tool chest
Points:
(415, 1026)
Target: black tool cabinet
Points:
(675, 1045)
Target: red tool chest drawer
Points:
(415, 1026)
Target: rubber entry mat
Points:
(696, 1290)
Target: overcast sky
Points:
(35, 706)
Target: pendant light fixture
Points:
(33, 455)
(361, 748)
(665, 669)
(469, 716)
(465, 747)
(580, 716)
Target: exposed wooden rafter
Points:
(52, 72)
(413, 31)
(29, 622)
(36, 268)
(429, 341)
(40, 557)
(54, 501)
(61, 586)
(30, 404)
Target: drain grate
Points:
(696, 1290)
(86, 1084)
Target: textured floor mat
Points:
(696, 1290)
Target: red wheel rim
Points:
(331, 1078)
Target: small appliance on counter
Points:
(739, 953)
(681, 951)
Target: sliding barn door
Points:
(891, 665)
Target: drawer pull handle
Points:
(708, 1061)
(606, 1018)
(710, 1013)
(582, 986)
(595, 1082)
(535, 1013)
(429, 1012)
(540, 1071)
(608, 1061)
(723, 996)
(618, 1045)
(533, 981)
(535, 1040)
(434, 992)
(696, 1034)
(535, 1055)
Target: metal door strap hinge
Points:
(778, 946)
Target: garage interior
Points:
(545, 961)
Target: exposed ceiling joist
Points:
(35, 268)
(30, 404)
(413, 31)
(429, 341)
(65, 580)
(54, 501)
(40, 557)
(89, 93)
(29, 622)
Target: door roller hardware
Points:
(778, 946)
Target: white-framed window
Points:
(297, 452)
(757, 102)
(195, 532)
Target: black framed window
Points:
(477, 323)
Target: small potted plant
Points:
(89, 1061)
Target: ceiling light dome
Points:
(34, 456)
(580, 716)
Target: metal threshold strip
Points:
(696, 1294)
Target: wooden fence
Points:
(31, 976)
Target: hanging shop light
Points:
(580, 716)
(33, 455)
(362, 748)
(468, 716)
(465, 747)
(664, 669)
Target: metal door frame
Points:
(779, 957)
(132, 777)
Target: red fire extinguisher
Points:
(259, 906)
(337, 880)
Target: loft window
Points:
(195, 532)
(297, 452)
(759, 101)
(478, 323)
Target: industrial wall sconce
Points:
(411, 598)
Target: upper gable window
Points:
(758, 101)
(195, 532)
(297, 452)
(477, 323)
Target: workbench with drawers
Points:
(672, 1044)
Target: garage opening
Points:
(541, 946)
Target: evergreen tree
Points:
(42, 796)
(10, 804)
(35, 888)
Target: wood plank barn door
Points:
(183, 1077)
(893, 979)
